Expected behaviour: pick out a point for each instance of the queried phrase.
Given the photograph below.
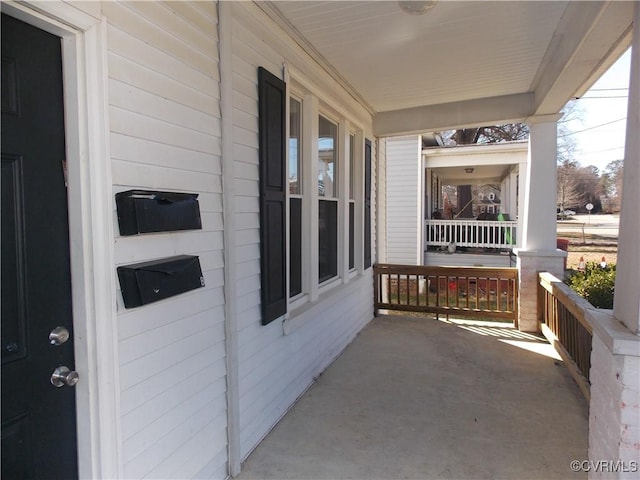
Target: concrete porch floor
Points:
(419, 398)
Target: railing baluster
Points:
(470, 233)
(397, 285)
(467, 292)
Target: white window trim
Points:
(352, 173)
(312, 289)
(338, 188)
(293, 302)
(359, 193)
(297, 301)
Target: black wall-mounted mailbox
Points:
(145, 211)
(148, 282)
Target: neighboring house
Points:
(486, 199)
(276, 115)
(421, 186)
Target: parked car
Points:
(569, 212)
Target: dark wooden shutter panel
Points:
(272, 142)
(367, 203)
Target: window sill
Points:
(329, 285)
(298, 302)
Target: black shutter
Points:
(272, 141)
(367, 203)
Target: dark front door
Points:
(38, 418)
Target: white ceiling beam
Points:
(449, 116)
(590, 37)
(481, 155)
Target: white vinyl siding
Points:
(164, 118)
(404, 200)
(279, 361)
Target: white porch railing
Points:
(470, 233)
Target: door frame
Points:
(91, 231)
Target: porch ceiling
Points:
(461, 63)
(482, 174)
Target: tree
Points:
(577, 186)
(489, 134)
(590, 185)
(510, 132)
(568, 190)
(611, 185)
(566, 144)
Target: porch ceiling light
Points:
(468, 170)
(417, 7)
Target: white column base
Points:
(530, 263)
(614, 410)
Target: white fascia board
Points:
(464, 156)
(449, 116)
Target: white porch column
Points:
(537, 250)
(508, 190)
(614, 411)
(522, 189)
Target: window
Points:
(328, 199)
(327, 164)
(292, 134)
(295, 197)
(295, 155)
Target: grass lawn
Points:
(592, 250)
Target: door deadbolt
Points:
(62, 376)
(58, 336)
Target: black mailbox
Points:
(145, 211)
(148, 282)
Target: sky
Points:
(599, 132)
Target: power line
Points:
(603, 151)
(603, 97)
(595, 126)
(607, 89)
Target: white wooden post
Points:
(538, 242)
(614, 418)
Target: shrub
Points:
(595, 284)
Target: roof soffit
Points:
(463, 63)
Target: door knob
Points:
(58, 336)
(62, 376)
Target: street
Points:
(596, 225)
